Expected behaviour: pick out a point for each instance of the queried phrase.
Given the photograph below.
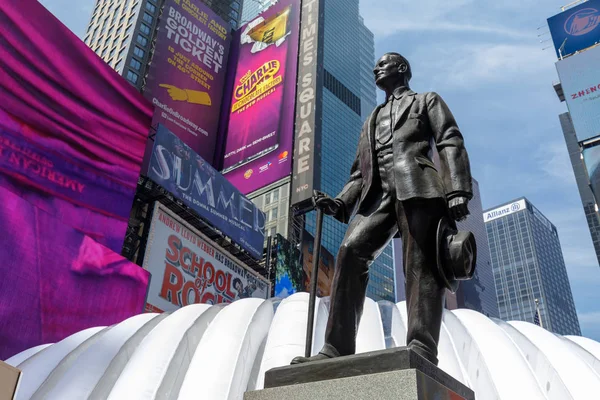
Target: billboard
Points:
(260, 130)
(580, 80)
(305, 174)
(576, 29)
(591, 158)
(188, 268)
(187, 75)
(184, 173)
(294, 267)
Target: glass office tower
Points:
(348, 99)
(121, 32)
(528, 265)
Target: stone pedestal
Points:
(398, 374)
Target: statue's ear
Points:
(402, 68)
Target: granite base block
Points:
(398, 373)
(408, 384)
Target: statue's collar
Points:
(399, 92)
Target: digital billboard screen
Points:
(177, 168)
(576, 28)
(188, 268)
(187, 75)
(580, 80)
(294, 268)
(260, 130)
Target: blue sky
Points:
(486, 61)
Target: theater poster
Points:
(188, 268)
(260, 126)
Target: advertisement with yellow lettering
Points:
(187, 75)
(261, 115)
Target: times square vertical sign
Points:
(307, 135)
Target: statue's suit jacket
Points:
(419, 120)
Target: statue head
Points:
(392, 71)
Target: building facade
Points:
(348, 96)
(477, 294)
(122, 32)
(251, 9)
(528, 265)
(581, 177)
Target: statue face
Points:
(388, 71)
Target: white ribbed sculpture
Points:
(219, 352)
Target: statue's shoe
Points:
(302, 360)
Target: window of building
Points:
(148, 18)
(145, 29)
(274, 213)
(275, 195)
(150, 7)
(142, 40)
(132, 76)
(139, 52)
(135, 64)
(273, 232)
(235, 5)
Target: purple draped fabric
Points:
(72, 139)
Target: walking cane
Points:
(314, 279)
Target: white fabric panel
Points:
(223, 360)
(319, 326)
(370, 335)
(582, 353)
(144, 372)
(81, 378)
(393, 326)
(472, 360)
(448, 357)
(591, 346)
(449, 361)
(36, 369)
(25, 355)
(287, 335)
(547, 377)
(572, 369)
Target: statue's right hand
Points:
(327, 204)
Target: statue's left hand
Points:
(458, 208)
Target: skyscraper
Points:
(251, 9)
(121, 32)
(479, 293)
(528, 265)
(582, 179)
(348, 96)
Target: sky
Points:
(487, 62)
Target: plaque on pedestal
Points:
(398, 374)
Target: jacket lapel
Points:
(372, 121)
(403, 104)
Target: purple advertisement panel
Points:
(187, 76)
(182, 172)
(258, 150)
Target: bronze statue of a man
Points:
(394, 187)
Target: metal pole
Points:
(313, 284)
(268, 262)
